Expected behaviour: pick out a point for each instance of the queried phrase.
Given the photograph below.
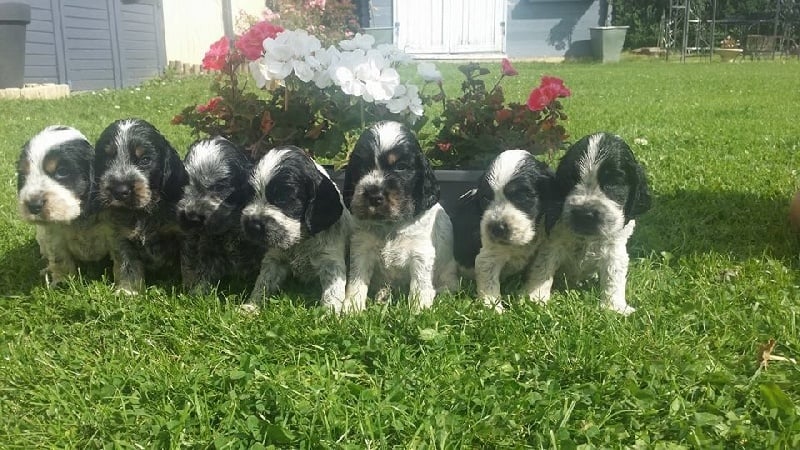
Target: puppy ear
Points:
(352, 173)
(639, 196)
(467, 228)
(324, 208)
(426, 189)
(173, 176)
(552, 203)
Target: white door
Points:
(450, 26)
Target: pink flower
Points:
(507, 68)
(217, 55)
(251, 44)
(444, 146)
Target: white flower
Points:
(287, 53)
(393, 54)
(429, 72)
(406, 100)
(366, 75)
(359, 41)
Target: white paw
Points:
(622, 308)
(539, 299)
(249, 308)
(494, 303)
(125, 291)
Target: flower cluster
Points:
(316, 97)
(331, 21)
(477, 125)
(729, 42)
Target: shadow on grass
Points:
(737, 224)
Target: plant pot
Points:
(452, 184)
(607, 42)
(728, 54)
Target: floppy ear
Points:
(352, 174)
(552, 203)
(639, 196)
(324, 208)
(467, 228)
(173, 176)
(426, 188)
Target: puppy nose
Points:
(35, 205)
(498, 230)
(121, 191)
(192, 219)
(253, 227)
(374, 195)
(585, 220)
(585, 216)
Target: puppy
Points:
(604, 189)
(209, 214)
(141, 179)
(297, 213)
(500, 224)
(55, 190)
(399, 227)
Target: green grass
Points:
(714, 273)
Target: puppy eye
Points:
(61, 173)
(402, 166)
(145, 160)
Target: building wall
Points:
(540, 28)
(193, 25)
(92, 44)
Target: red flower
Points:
(549, 89)
(539, 99)
(507, 68)
(251, 43)
(209, 107)
(217, 55)
(555, 86)
(444, 146)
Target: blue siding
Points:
(40, 45)
(537, 28)
(92, 44)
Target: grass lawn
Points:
(714, 275)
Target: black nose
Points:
(498, 230)
(35, 205)
(253, 227)
(191, 219)
(374, 195)
(585, 220)
(121, 191)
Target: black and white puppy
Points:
(209, 214)
(55, 190)
(140, 181)
(297, 213)
(401, 233)
(500, 224)
(603, 189)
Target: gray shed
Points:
(93, 44)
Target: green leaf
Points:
(774, 396)
(278, 434)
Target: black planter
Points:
(452, 183)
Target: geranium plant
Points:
(299, 92)
(478, 124)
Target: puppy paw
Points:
(622, 308)
(539, 299)
(126, 291)
(249, 308)
(494, 303)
